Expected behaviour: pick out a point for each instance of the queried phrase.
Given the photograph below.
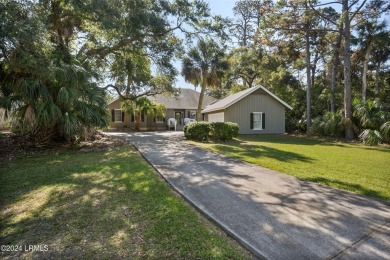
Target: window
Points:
(257, 121)
(117, 115)
(159, 119)
(133, 117)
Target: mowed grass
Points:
(353, 167)
(101, 205)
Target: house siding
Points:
(257, 102)
(216, 116)
(127, 119)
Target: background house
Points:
(256, 110)
(180, 107)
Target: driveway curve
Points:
(275, 216)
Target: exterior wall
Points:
(257, 102)
(216, 117)
(148, 123)
(127, 119)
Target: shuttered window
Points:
(257, 120)
(118, 115)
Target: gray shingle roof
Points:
(188, 99)
(230, 100)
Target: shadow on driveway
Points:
(274, 215)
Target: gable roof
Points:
(232, 99)
(187, 99)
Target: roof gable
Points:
(232, 99)
(188, 99)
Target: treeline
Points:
(56, 57)
(328, 59)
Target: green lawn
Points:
(106, 204)
(354, 167)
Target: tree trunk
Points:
(347, 73)
(377, 79)
(308, 88)
(335, 63)
(201, 95)
(365, 69)
(314, 68)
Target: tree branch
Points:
(357, 10)
(133, 96)
(320, 14)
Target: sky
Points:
(218, 7)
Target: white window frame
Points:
(261, 120)
(115, 111)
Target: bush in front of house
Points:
(224, 131)
(198, 131)
(219, 131)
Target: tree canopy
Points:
(57, 54)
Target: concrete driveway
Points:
(274, 215)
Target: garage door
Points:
(217, 117)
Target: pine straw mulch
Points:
(13, 146)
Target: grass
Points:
(353, 167)
(106, 204)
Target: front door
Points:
(178, 117)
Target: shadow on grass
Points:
(99, 205)
(348, 186)
(303, 140)
(280, 216)
(259, 151)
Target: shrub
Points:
(330, 124)
(370, 137)
(197, 131)
(224, 131)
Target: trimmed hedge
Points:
(220, 131)
(224, 131)
(198, 131)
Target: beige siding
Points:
(257, 102)
(127, 120)
(216, 117)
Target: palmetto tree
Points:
(204, 65)
(145, 106)
(61, 104)
(372, 36)
(373, 120)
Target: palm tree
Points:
(371, 34)
(63, 103)
(204, 65)
(373, 121)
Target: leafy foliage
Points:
(370, 137)
(198, 131)
(224, 131)
(204, 65)
(219, 131)
(55, 55)
(373, 119)
(330, 124)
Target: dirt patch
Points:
(101, 141)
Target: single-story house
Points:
(180, 107)
(256, 110)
